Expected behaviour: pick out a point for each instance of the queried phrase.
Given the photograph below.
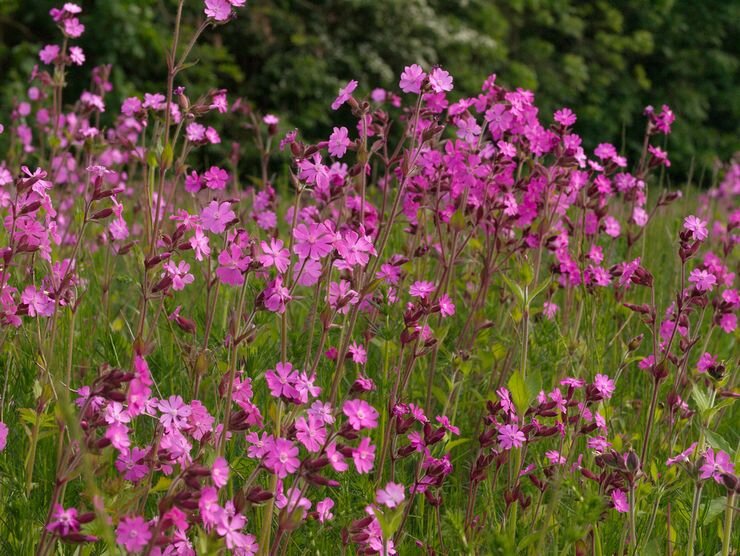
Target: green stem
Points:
(694, 518)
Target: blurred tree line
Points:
(605, 59)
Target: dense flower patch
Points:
(326, 325)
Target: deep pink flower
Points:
(619, 500)
(509, 436)
(391, 496)
(130, 464)
(565, 117)
(358, 353)
(273, 254)
(360, 414)
(219, 10)
(445, 422)
(276, 296)
(180, 274)
(216, 178)
(117, 433)
(199, 243)
(77, 55)
(440, 80)
(421, 289)
(311, 433)
(232, 265)
(175, 413)
(38, 302)
(446, 306)
(338, 142)
(341, 296)
(3, 435)
(411, 79)
(282, 457)
(216, 216)
(696, 226)
(604, 385)
(63, 521)
(683, 457)
(282, 380)
(133, 533)
(312, 241)
(715, 464)
(364, 456)
(220, 472)
(323, 508)
(703, 280)
(344, 95)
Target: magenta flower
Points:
(696, 226)
(706, 361)
(281, 381)
(411, 79)
(565, 117)
(313, 241)
(232, 265)
(49, 53)
(117, 433)
(360, 414)
(340, 296)
(276, 296)
(338, 142)
(509, 436)
(199, 243)
(604, 386)
(130, 464)
(715, 464)
(216, 178)
(446, 306)
(63, 521)
(440, 80)
(421, 289)
(336, 458)
(216, 216)
(3, 436)
(180, 274)
(683, 457)
(311, 433)
(358, 353)
(619, 501)
(219, 10)
(133, 533)
(273, 254)
(220, 472)
(77, 55)
(703, 280)
(281, 457)
(344, 94)
(323, 508)
(364, 456)
(445, 422)
(175, 413)
(39, 304)
(391, 496)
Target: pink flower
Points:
(38, 302)
(216, 178)
(282, 457)
(133, 533)
(421, 289)
(344, 95)
(703, 280)
(565, 117)
(220, 472)
(445, 422)
(391, 496)
(697, 227)
(683, 457)
(232, 265)
(276, 296)
(323, 508)
(230, 528)
(219, 10)
(619, 500)
(130, 465)
(281, 381)
(179, 273)
(3, 435)
(440, 80)
(364, 456)
(360, 414)
(411, 79)
(216, 216)
(715, 465)
(199, 243)
(359, 355)
(275, 255)
(311, 433)
(336, 459)
(77, 55)
(340, 296)
(63, 522)
(706, 361)
(117, 433)
(313, 241)
(338, 142)
(175, 413)
(509, 436)
(446, 306)
(604, 385)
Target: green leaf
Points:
(701, 398)
(519, 393)
(715, 508)
(516, 289)
(717, 442)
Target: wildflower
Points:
(696, 226)
(179, 273)
(706, 361)
(323, 508)
(77, 55)
(440, 80)
(276, 296)
(281, 381)
(281, 457)
(230, 527)
(313, 241)
(344, 95)
(311, 433)
(421, 289)
(549, 309)
(232, 265)
(275, 255)
(219, 10)
(63, 521)
(3, 436)
(336, 459)
(215, 178)
(220, 472)
(360, 414)
(358, 353)
(216, 216)
(619, 501)
(391, 496)
(509, 436)
(364, 456)
(129, 464)
(133, 533)
(604, 386)
(117, 433)
(660, 156)
(338, 142)
(445, 422)
(715, 464)
(703, 280)
(555, 457)
(446, 306)
(175, 413)
(341, 296)
(199, 243)
(597, 443)
(565, 117)
(683, 457)
(411, 79)
(38, 302)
